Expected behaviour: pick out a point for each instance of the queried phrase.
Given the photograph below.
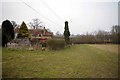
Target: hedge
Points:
(54, 44)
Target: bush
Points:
(44, 44)
(55, 44)
(35, 41)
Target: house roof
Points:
(45, 32)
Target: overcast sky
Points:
(83, 15)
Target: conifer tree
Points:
(7, 32)
(23, 31)
(66, 33)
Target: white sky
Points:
(83, 15)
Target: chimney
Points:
(44, 31)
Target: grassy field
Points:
(77, 61)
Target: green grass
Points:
(77, 61)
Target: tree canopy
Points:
(36, 23)
(7, 32)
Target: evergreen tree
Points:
(66, 33)
(7, 32)
(23, 31)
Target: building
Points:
(41, 34)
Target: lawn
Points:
(76, 61)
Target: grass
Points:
(77, 61)
(107, 47)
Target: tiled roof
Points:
(36, 31)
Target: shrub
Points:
(44, 44)
(35, 41)
(55, 44)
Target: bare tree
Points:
(115, 34)
(14, 24)
(58, 33)
(115, 29)
(36, 23)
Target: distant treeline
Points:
(98, 37)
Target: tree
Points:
(36, 23)
(7, 32)
(116, 34)
(66, 33)
(58, 33)
(14, 24)
(100, 36)
(23, 31)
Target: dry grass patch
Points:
(107, 47)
